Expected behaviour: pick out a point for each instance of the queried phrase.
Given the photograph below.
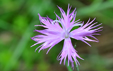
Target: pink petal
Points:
(68, 52)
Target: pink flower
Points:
(54, 33)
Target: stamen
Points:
(73, 26)
(72, 15)
(66, 33)
(59, 22)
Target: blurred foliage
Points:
(17, 20)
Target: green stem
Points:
(75, 63)
(68, 67)
(77, 67)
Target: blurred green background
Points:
(17, 20)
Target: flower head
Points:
(54, 33)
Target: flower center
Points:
(66, 35)
(66, 30)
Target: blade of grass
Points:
(20, 47)
(90, 9)
(4, 25)
(97, 5)
(26, 36)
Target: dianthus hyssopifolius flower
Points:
(60, 29)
